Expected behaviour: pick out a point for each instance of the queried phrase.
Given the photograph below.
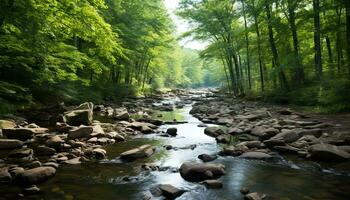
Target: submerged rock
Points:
(170, 192)
(212, 184)
(140, 152)
(207, 158)
(201, 171)
(255, 155)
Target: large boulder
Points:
(23, 133)
(213, 131)
(328, 152)
(10, 143)
(140, 152)
(7, 124)
(35, 175)
(80, 115)
(287, 136)
(197, 172)
(80, 132)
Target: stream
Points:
(113, 179)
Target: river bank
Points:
(137, 145)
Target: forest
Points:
(285, 51)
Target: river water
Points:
(279, 179)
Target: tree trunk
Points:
(338, 40)
(317, 39)
(299, 71)
(347, 8)
(256, 22)
(247, 45)
(281, 75)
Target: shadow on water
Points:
(105, 179)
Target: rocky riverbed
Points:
(183, 144)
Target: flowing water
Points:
(280, 179)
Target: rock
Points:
(196, 172)
(6, 124)
(315, 132)
(10, 143)
(235, 131)
(116, 136)
(254, 196)
(23, 133)
(54, 141)
(80, 132)
(328, 152)
(5, 176)
(32, 125)
(97, 131)
(252, 144)
(150, 167)
(99, 153)
(285, 111)
(20, 153)
(43, 150)
(168, 147)
(258, 131)
(31, 190)
(207, 158)
(35, 175)
(81, 115)
(140, 152)
(222, 139)
(33, 164)
(255, 155)
(170, 192)
(172, 131)
(51, 164)
(212, 184)
(287, 136)
(286, 149)
(244, 190)
(268, 133)
(124, 115)
(233, 151)
(14, 171)
(73, 161)
(274, 142)
(213, 131)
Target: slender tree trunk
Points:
(330, 55)
(261, 69)
(338, 40)
(347, 8)
(247, 45)
(299, 71)
(317, 39)
(281, 74)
